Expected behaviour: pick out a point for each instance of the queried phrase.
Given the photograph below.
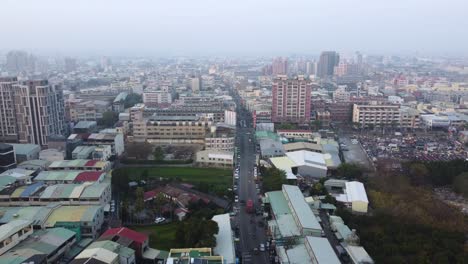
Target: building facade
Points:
(376, 115)
(8, 131)
(39, 111)
(326, 65)
(291, 100)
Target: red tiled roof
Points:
(88, 176)
(91, 163)
(127, 233)
(149, 195)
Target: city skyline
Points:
(212, 28)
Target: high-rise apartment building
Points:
(280, 66)
(19, 61)
(39, 110)
(8, 131)
(195, 84)
(291, 100)
(328, 61)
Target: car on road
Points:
(159, 220)
(262, 247)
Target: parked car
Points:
(159, 220)
(262, 247)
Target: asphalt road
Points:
(251, 234)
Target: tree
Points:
(138, 150)
(120, 180)
(350, 171)
(197, 232)
(318, 189)
(158, 153)
(144, 175)
(132, 99)
(139, 199)
(317, 124)
(273, 179)
(108, 119)
(418, 174)
(159, 202)
(287, 126)
(460, 184)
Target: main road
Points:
(251, 233)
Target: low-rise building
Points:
(25, 152)
(80, 164)
(376, 115)
(7, 157)
(172, 129)
(51, 155)
(12, 233)
(222, 142)
(224, 239)
(351, 193)
(44, 246)
(215, 158)
(193, 255)
(105, 252)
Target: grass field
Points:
(186, 174)
(160, 236)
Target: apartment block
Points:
(39, 111)
(8, 131)
(376, 114)
(172, 129)
(291, 100)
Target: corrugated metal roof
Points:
(299, 206)
(322, 250)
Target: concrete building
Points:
(215, 158)
(172, 130)
(8, 130)
(118, 105)
(327, 62)
(195, 84)
(193, 255)
(39, 111)
(376, 115)
(224, 239)
(51, 155)
(85, 110)
(409, 118)
(44, 246)
(291, 100)
(104, 138)
(280, 66)
(223, 142)
(106, 252)
(24, 152)
(7, 157)
(85, 127)
(80, 164)
(12, 233)
(271, 148)
(157, 97)
(294, 223)
(352, 194)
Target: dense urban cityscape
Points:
(325, 156)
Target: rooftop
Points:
(322, 250)
(224, 238)
(25, 149)
(299, 207)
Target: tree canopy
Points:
(350, 171)
(132, 99)
(197, 232)
(138, 150)
(108, 119)
(273, 179)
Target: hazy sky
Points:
(206, 27)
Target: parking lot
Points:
(354, 153)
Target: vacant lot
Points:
(160, 236)
(218, 177)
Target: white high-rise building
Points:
(195, 84)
